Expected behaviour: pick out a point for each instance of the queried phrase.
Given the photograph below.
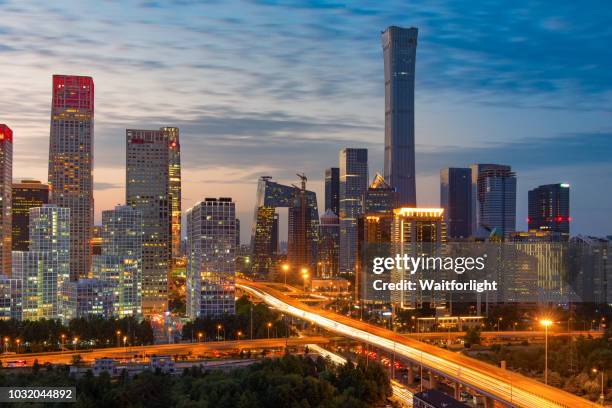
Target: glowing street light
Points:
(118, 333)
(305, 277)
(602, 396)
(285, 270)
(219, 327)
(546, 323)
(269, 327)
(200, 337)
(238, 334)
(75, 341)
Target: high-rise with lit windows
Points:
(6, 182)
(26, 194)
(399, 52)
(549, 209)
(71, 163)
(493, 201)
(211, 258)
(153, 188)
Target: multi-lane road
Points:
(501, 385)
(195, 349)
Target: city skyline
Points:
(564, 141)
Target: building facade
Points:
(120, 263)
(332, 189)
(456, 199)
(44, 270)
(353, 185)
(6, 183)
(11, 298)
(93, 298)
(329, 245)
(493, 200)
(549, 209)
(211, 258)
(399, 52)
(153, 188)
(71, 163)
(26, 194)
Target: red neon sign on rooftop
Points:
(71, 91)
(6, 133)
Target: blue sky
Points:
(275, 87)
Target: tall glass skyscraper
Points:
(71, 163)
(493, 200)
(6, 183)
(45, 269)
(549, 209)
(211, 258)
(153, 187)
(120, 264)
(26, 194)
(332, 189)
(399, 52)
(353, 185)
(456, 199)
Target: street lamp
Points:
(125, 342)
(219, 327)
(63, 336)
(546, 323)
(75, 341)
(269, 326)
(238, 334)
(118, 333)
(305, 277)
(199, 337)
(285, 270)
(17, 341)
(602, 396)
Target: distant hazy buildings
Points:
(399, 52)
(211, 258)
(493, 200)
(6, 182)
(26, 194)
(153, 188)
(120, 263)
(549, 209)
(45, 268)
(591, 268)
(332, 189)
(329, 245)
(456, 199)
(353, 185)
(71, 163)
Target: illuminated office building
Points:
(418, 232)
(120, 262)
(153, 187)
(211, 258)
(44, 270)
(549, 209)
(399, 52)
(6, 183)
(380, 197)
(353, 185)
(332, 189)
(329, 245)
(493, 200)
(11, 298)
(71, 163)
(93, 297)
(96, 241)
(456, 199)
(26, 194)
(303, 226)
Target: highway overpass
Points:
(493, 382)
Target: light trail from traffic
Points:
(502, 385)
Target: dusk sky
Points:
(279, 87)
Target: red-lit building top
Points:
(70, 91)
(6, 133)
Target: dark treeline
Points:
(265, 320)
(291, 381)
(48, 335)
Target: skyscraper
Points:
(6, 183)
(353, 185)
(399, 52)
(493, 200)
(380, 197)
(329, 245)
(456, 199)
(44, 270)
(153, 188)
(549, 209)
(332, 189)
(120, 263)
(211, 258)
(71, 163)
(26, 194)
